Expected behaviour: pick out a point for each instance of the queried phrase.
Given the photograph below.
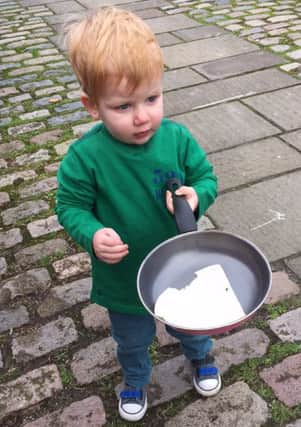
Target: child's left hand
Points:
(188, 192)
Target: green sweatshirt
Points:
(106, 183)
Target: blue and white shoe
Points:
(206, 377)
(132, 403)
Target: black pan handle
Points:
(184, 215)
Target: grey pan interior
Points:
(173, 263)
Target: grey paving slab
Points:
(127, 4)
(83, 413)
(293, 138)
(159, 25)
(91, 4)
(284, 379)
(295, 424)
(58, 40)
(205, 50)
(282, 107)
(251, 162)
(146, 4)
(204, 94)
(62, 297)
(254, 213)
(167, 39)
(283, 287)
(239, 64)
(95, 361)
(61, 18)
(43, 340)
(35, 2)
(149, 13)
(287, 326)
(180, 78)
(165, 24)
(30, 389)
(236, 405)
(61, 7)
(226, 125)
(295, 265)
(199, 32)
(95, 317)
(13, 318)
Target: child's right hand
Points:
(108, 246)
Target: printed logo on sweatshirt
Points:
(159, 180)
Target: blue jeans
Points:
(135, 333)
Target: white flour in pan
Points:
(208, 301)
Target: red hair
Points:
(112, 43)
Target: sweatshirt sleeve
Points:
(199, 174)
(75, 200)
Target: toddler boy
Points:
(112, 198)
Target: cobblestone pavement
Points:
(233, 70)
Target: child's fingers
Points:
(111, 238)
(113, 258)
(112, 255)
(107, 249)
(184, 191)
(169, 202)
(190, 195)
(108, 246)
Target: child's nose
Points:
(140, 116)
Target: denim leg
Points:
(133, 335)
(194, 346)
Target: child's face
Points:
(132, 117)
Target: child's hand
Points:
(108, 246)
(188, 192)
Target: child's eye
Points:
(123, 107)
(152, 98)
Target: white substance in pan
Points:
(207, 302)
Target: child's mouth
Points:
(142, 134)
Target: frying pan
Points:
(173, 264)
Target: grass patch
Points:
(46, 260)
(10, 376)
(259, 323)
(35, 52)
(172, 408)
(246, 372)
(277, 352)
(66, 376)
(154, 352)
(276, 310)
(282, 414)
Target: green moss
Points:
(259, 323)
(282, 414)
(277, 352)
(46, 260)
(246, 372)
(154, 352)
(276, 310)
(35, 53)
(10, 376)
(66, 376)
(175, 406)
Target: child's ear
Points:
(90, 107)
